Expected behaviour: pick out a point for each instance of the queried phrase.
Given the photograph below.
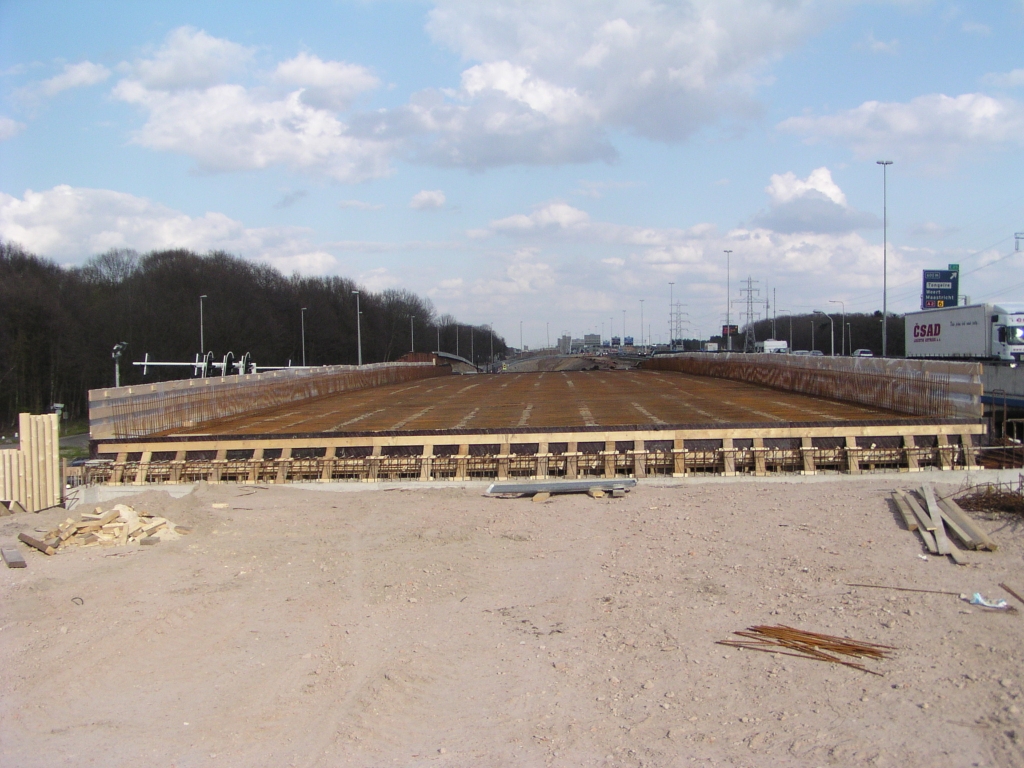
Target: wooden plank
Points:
(923, 519)
(32, 541)
(12, 557)
(968, 525)
(941, 542)
(954, 526)
(908, 517)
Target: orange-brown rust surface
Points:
(545, 400)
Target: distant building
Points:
(592, 340)
(565, 345)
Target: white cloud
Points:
(359, 205)
(10, 128)
(74, 76)
(325, 84)
(879, 46)
(976, 28)
(73, 223)
(814, 204)
(933, 129)
(230, 128)
(1012, 79)
(550, 216)
(427, 199)
(190, 58)
(663, 70)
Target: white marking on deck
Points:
(654, 419)
(353, 421)
(526, 415)
(407, 419)
(588, 417)
(467, 418)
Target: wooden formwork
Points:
(32, 474)
(755, 449)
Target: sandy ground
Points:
(436, 627)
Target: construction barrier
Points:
(918, 387)
(31, 474)
(187, 403)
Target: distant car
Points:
(863, 353)
(817, 353)
(800, 352)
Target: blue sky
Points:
(553, 163)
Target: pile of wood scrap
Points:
(118, 527)
(931, 516)
(790, 641)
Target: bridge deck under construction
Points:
(541, 425)
(532, 401)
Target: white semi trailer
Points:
(972, 332)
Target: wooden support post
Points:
(140, 475)
(462, 463)
(639, 459)
(283, 465)
(728, 457)
(911, 453)
(542, 461)
(760, 467)
(970, 452)
(255, 463)
(852, 457)
(218, 465)
(427, 462)
(807, 451)
(373, 462)
(504, 453)
(945, 451)
(571, 461)
(678, 458)
(327, 468)
(610, 457)
(177, 466)
(118, 471)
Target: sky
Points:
(551, 166)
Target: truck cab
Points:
(1008, 333)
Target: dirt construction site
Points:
(290, 613)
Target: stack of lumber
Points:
(119, 526)
(931, 516)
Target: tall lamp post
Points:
(412, 334)
(359, 331)
(728, 302)
(832, 325)
(885, 254)
(303, 314)
(202, 339)
(842, 328)
(641, 325)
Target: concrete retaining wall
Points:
(917, 387)
(185, 404)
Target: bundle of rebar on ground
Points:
(790, 641)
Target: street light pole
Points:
(641, 325)
(303, 314)
(623, 327)
(359, 331)
(842, 328)
(202, 339)
(885, 254)
(520, 338)
(832, 325)
(412, 334)
(728, 302)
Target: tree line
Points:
(58, 325)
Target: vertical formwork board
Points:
(40, 478)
